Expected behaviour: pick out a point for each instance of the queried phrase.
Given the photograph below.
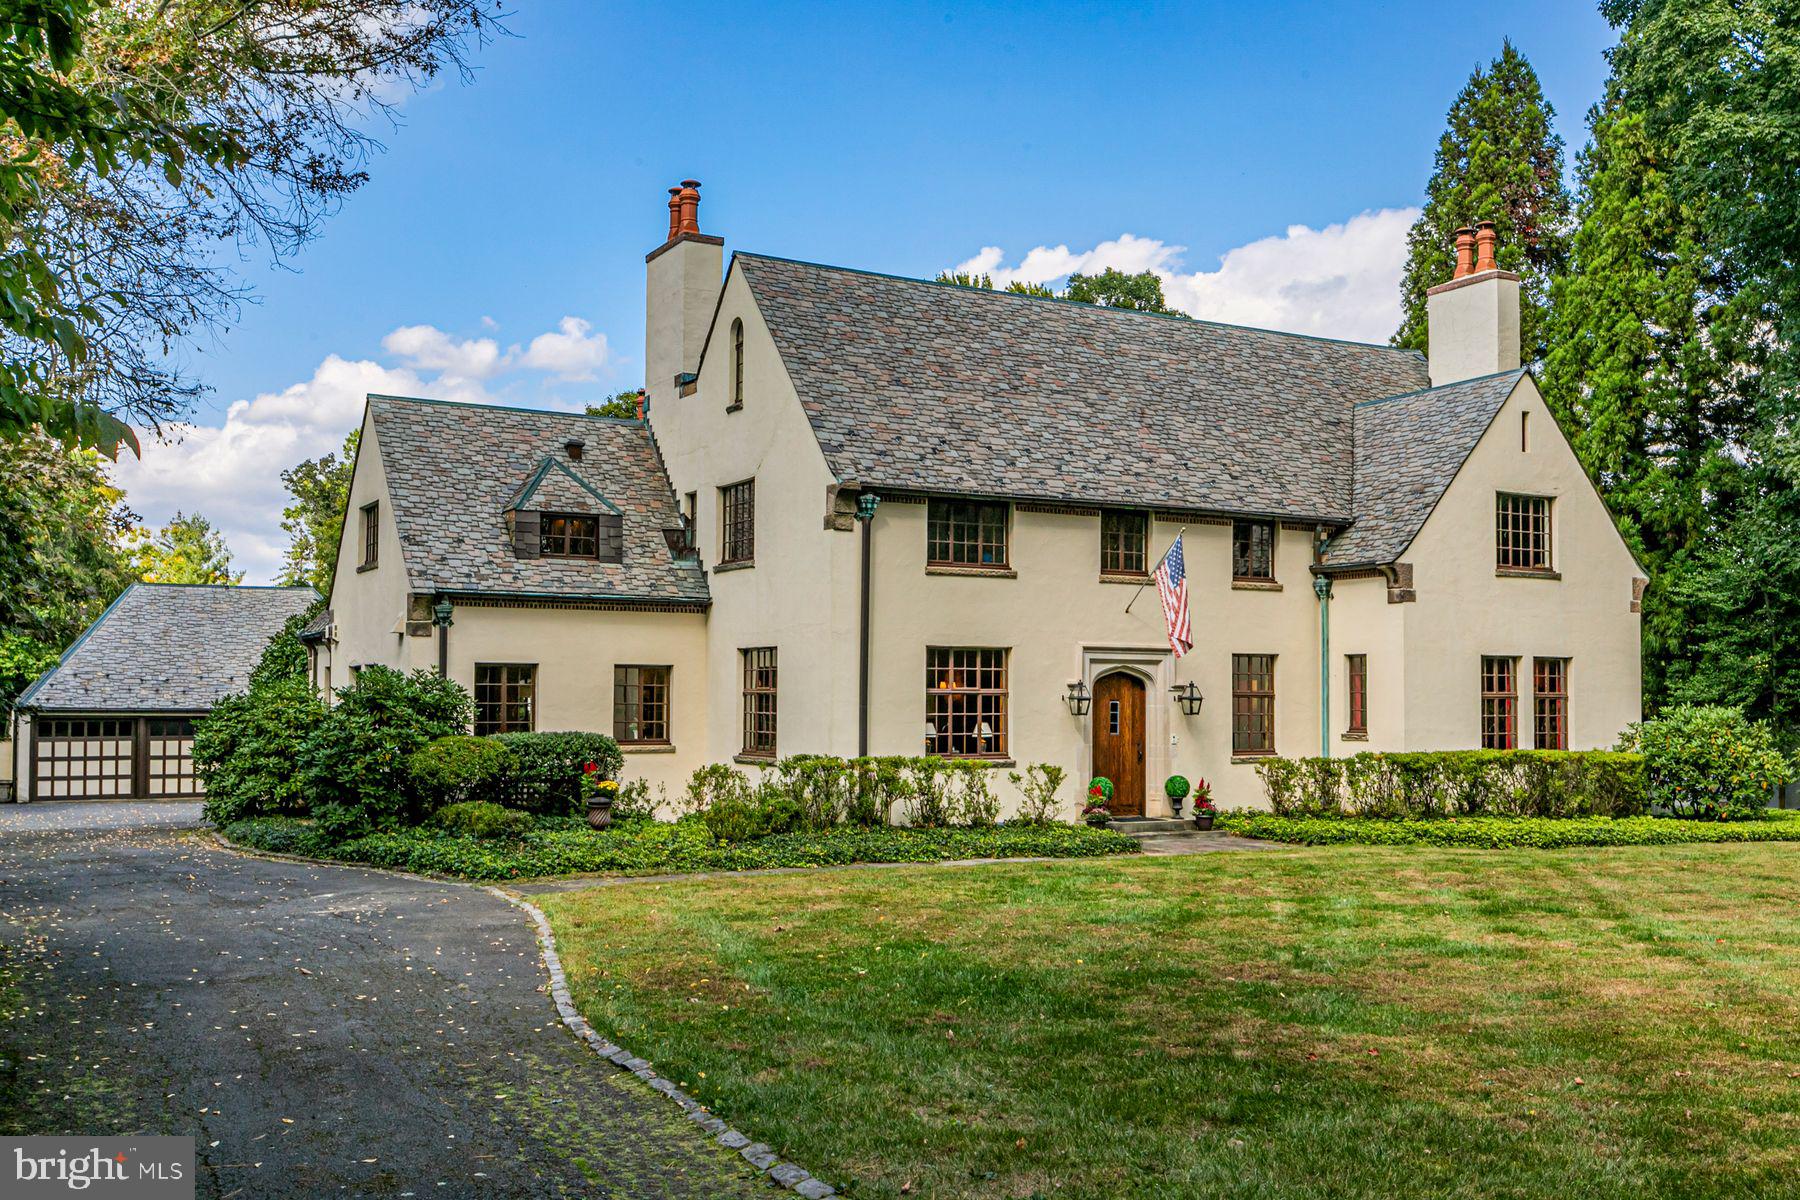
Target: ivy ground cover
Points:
(1336, 1021)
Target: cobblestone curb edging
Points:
(787, 1174)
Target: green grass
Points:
(1495, 833)
(1315, 1023)
(565, 845)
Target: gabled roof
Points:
(454, 469)
(167, 648)
(1408, 449)
(933, 387)
(553, 487)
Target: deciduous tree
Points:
(314, 520)
(186, 550)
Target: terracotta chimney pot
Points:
(1485, 239)
(1465, 253)
(674, 212)
(690, 206)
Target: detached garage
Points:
(114, 720)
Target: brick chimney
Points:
(681, 288)
(1473, 320)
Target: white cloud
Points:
(570, 353)
(231, 471)
(1340, 281)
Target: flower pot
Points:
(1098, 820)
(1175, 807)
(599, 813)
(1203, 820)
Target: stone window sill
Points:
(1240, 759)
(1133, 580)
(731, 408)
(1360, 735)
(367, 567)
(1255, 585)
(735, 566)
(754, 760)
(1524, 573)
(990, 572)
(983, 759)
(646, 747)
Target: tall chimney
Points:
(1472, 321)
(681, 290)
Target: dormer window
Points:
(569, 535)
(737, 364)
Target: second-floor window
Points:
(371, 534)
(1123, 537)
(1521, 532)
(1356, 671)
(965, 533)
(737, 522)
(1499, 703)
(1253, 550)
(737, 364)
(569, 535)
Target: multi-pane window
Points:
(640, 704)
(965, 533)
(965, 701)
(737, 364)
(371, 533)
(759, 702)
(1550, 703)
(1123, 537)
(505, 697)
(1521, 532)
(1253, 549)
(569, 535)
(1253, 704)
(737, 522)
(1499, 703)
(1356, 671)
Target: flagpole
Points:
(1159, 563)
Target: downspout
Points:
(865, 512)
(440, 616)
(1322, 589)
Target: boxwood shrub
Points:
(482, 819)
(547, 774)
(1459, 783)
(459, 768)
(1494, 833)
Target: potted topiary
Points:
(1176, 788)
(600, 796)
(1099, 800)
(1204, 812)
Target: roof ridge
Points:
(225, 587)
(1130, 312)
(1492, 375)
(371, 397)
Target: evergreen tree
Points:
(1643, 339)
(1498, 160)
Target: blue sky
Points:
(1262, 156)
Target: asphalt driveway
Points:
(319, 1030)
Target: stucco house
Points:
(867, 514)
(114, 719)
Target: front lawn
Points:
(566, 846)
(1319, 1023)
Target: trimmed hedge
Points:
(549, 769)
(1497, 833)
(459, 769)
(1459, 783)
(481, 819)
(560, 846)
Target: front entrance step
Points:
(1144, 826)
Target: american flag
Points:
(1171, 589)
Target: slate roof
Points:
(454, 469)
(167, 648)
(933, 387)
(1408, 449)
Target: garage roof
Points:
(164, 647)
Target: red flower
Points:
(590, 768)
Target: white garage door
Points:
(169, 743)
(83, 758)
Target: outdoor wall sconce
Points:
(1188, 696)
(1079, 699)
(441, 614)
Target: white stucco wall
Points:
(1466, 610)
(368, 606)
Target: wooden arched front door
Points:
(1118, 714)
